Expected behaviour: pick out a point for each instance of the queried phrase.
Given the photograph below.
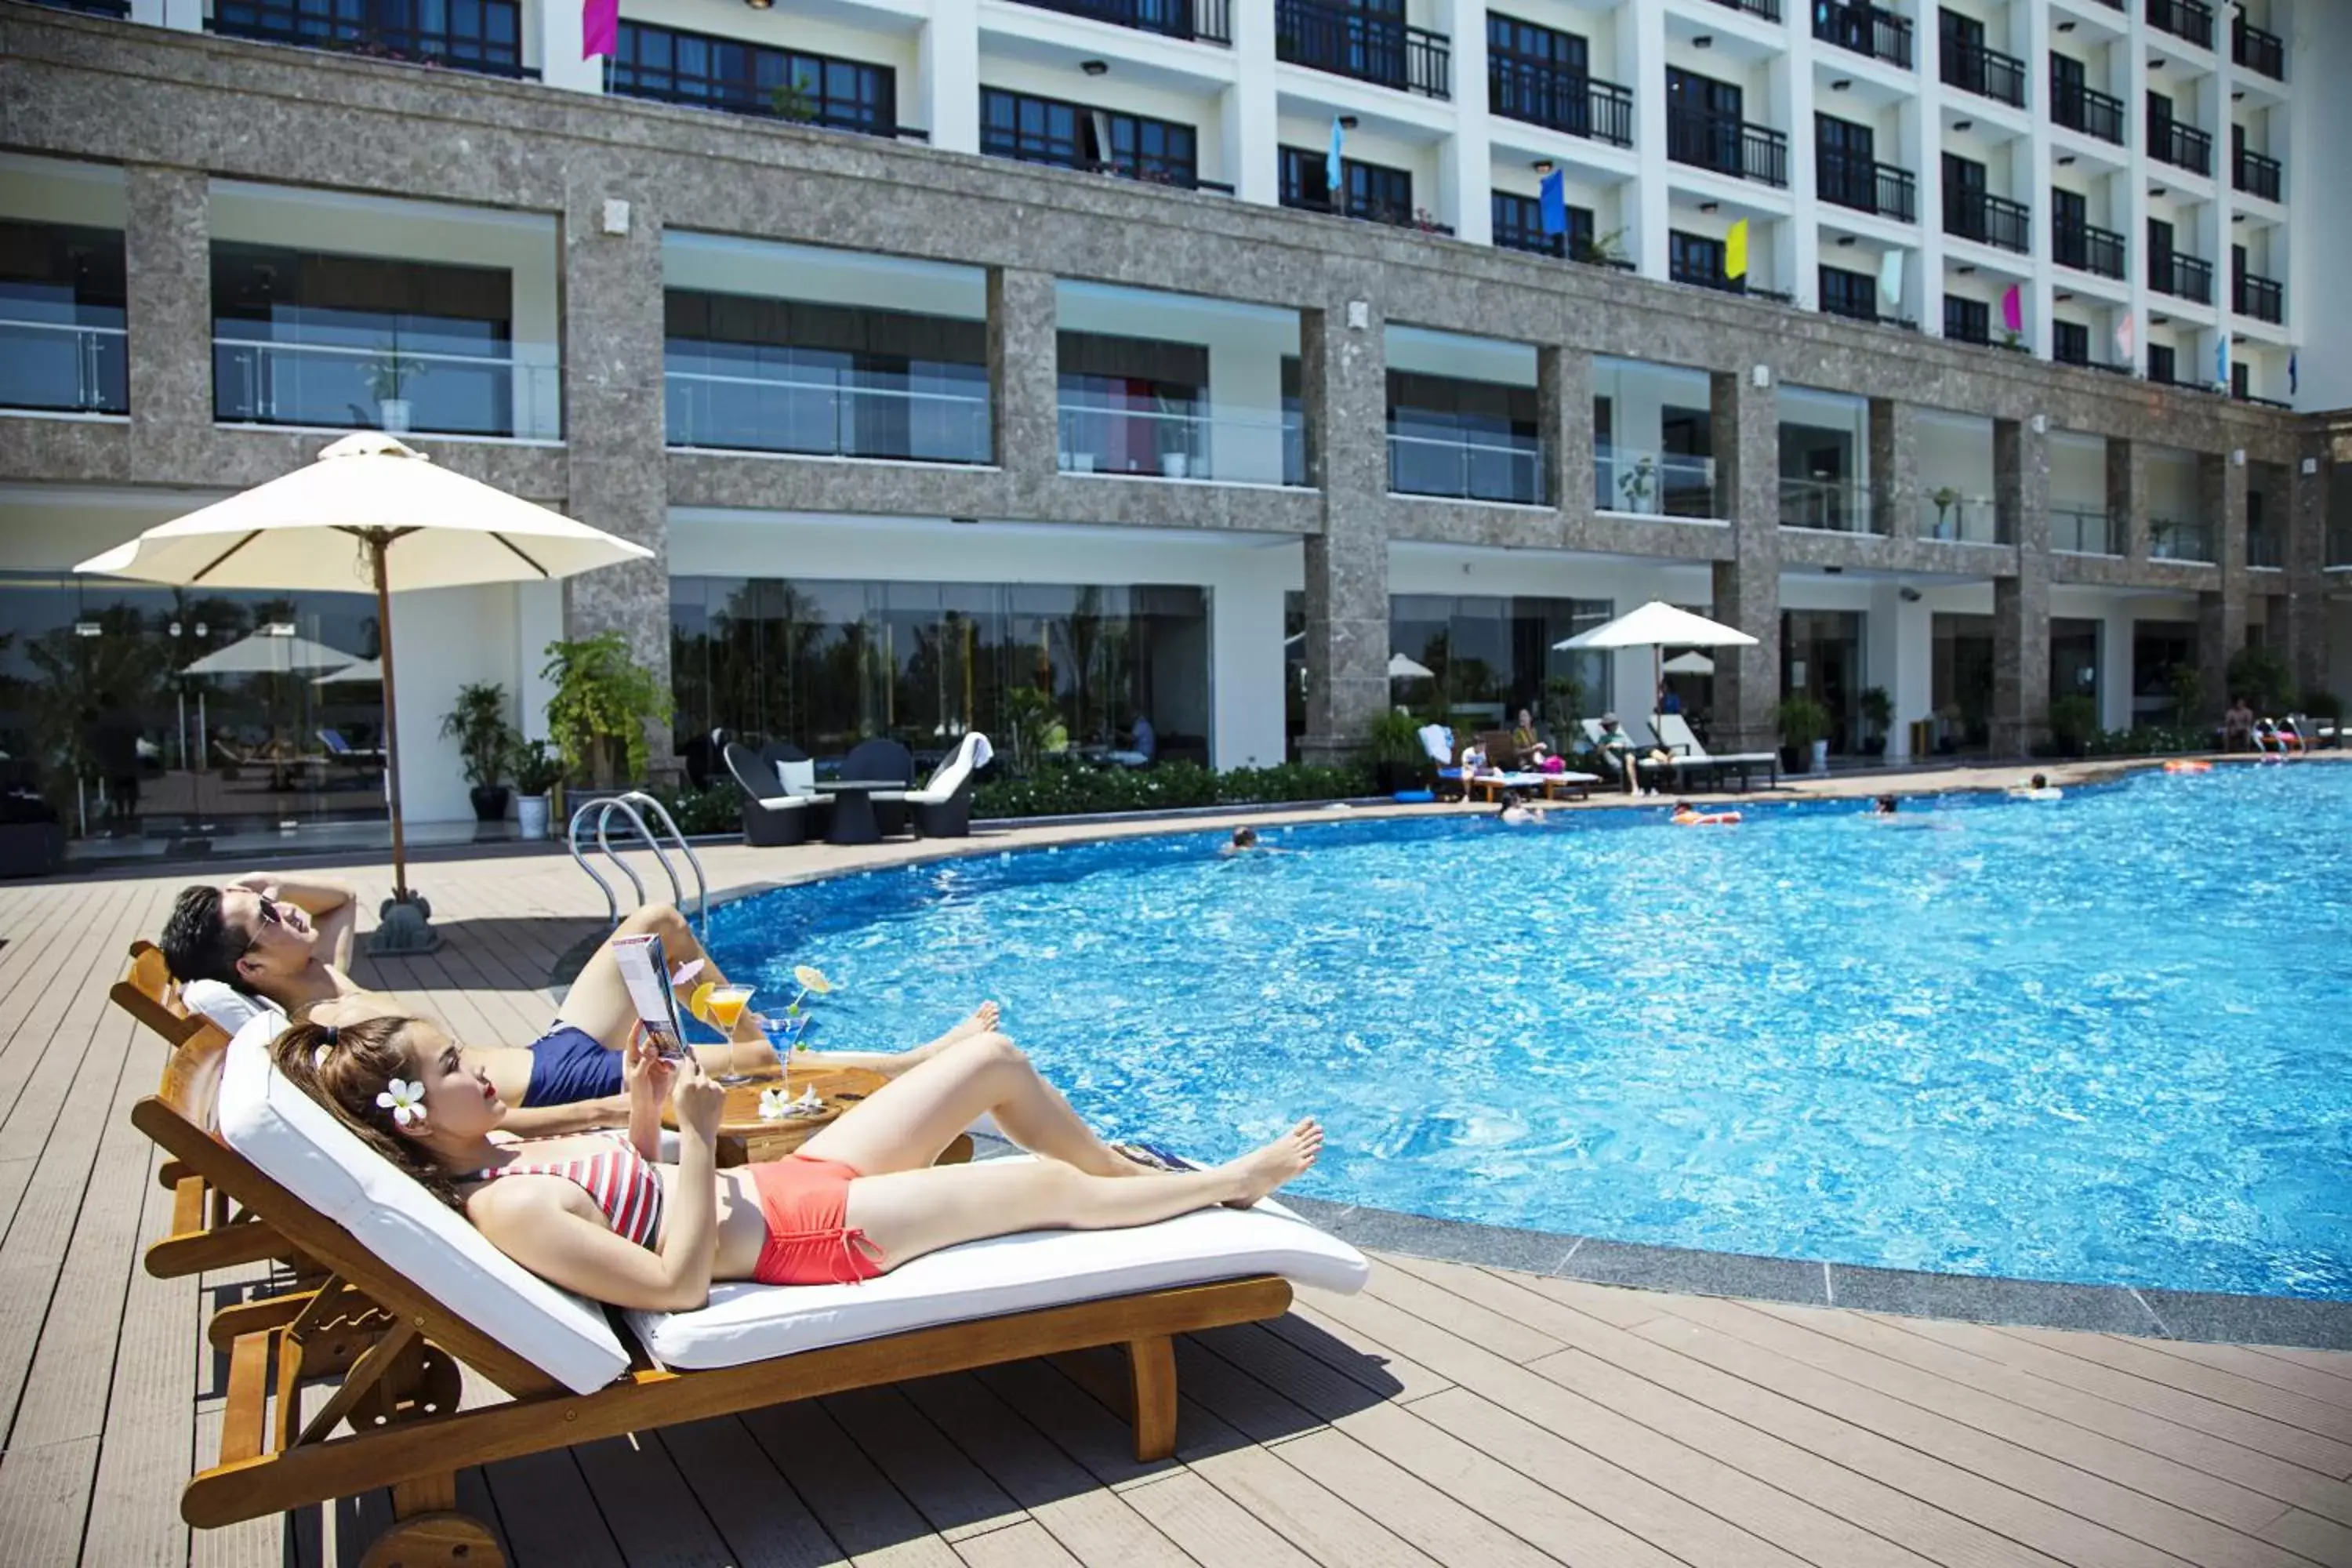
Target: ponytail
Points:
(344, 1067)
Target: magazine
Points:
(645, 970)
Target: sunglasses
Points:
(268, 909)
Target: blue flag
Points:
(1554, 190)
(2293, 375)
(1332, 181)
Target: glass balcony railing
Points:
(1261, 448)
(1835, 506)
(745, 411)
(63, 367)
(260, 380)
(1964, 519)
(1463, 468)
(2085, 531)
(2177, 539)
(1651, 483)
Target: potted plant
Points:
(1636, 484)
(1174, 439)
(793, 102)
(1394, 742)
(485, 740)
(538, 772)
(389, 374)
(1804, 726)
(1877, 718)
(603, 700)
(2073, 723)
(1945, 498)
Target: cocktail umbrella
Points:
(371, 511)
(1658, 626)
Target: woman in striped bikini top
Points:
(861, 1196)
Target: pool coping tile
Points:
(1697, 1273)
(1991, 1298)
(2252, 1319)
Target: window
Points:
(1538, 74)
(1046, 131)
(1967, 321)
(2241, 380)
(2070, 343)
(470, 35)
(62, 296)
(677, 67)
(1695, 258)
(2161, 363)
(1845, 162)
(1518, 226)
(1374, 191)
(1851, 294)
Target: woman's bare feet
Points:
(982, 1020)
(1264, 1169)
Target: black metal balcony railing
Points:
(2250, 294)
(1865, 29)
(1768, 9)
(1328, 38)
(1866, 186)
(2089, 249)
(120, 9)
(1541, 94)
(2257, 175)
(2190, 19)
(2086, 109)
(2183, 277)
(1208, 21)
(1390, 212)
(1727, 145)
(491, 45)
(2258, 51)
(1988, 219)
(2183, 146)
(1988, 73)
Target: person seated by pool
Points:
(2237, 724)
(1473, 760)
(1623, 752)
(290, 943)
(2038, 788)
(600, 1215)
(1688, 815)
(1527, 745)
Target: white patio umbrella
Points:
(1402, 668)
(1658, 626)
(370, 672)
(267, 653)
(370, 512)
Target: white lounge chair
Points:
(1647, 769)
(942, 807)
(1691, 758)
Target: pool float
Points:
(1704, 818)
(2188, 766)
(1415, 796)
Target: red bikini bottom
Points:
(806, 1202)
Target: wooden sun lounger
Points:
(393, 1350)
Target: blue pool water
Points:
(2101, 1040)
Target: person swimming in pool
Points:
(290, 943)
(1514, 810)
(600, 1215)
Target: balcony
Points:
(1988, 219)
(2190, 19)
(1865, 29)
(2183, 146)
(2252, 294)
(119, 9)
(1179, 443)
(1468, 466)
(2085, 531)
(2263, 550)
(259, 379)
(1328, 38)
(61, 366)
(484, 37)
(669, 64)
(1987, 72)
(2182, 276)
(2086, 109)
(2256, 175)
(2175, 539)
(1541, 94)
(1727, 145)
(2260, 52)
(1833, 506)
(1768, 9)
(1204, 21)
(2088, 248)
(1949, 515)
(1651, 483)
(1866, 186)
(762, 408)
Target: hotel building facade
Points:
(942, 348)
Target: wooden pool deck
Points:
(1449, 1415)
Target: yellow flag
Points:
(1735, 251)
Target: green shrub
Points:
(2263, 677)
(2073, 723)
(1071, 789)
(2322, 703)
(718, 809)
(2148, 740)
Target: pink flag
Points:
(600, 28)
(2012, 311)
(2126, 338)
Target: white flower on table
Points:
(404, 1100)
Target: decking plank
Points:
(2222, 1386)
(549, 1515)
(954, 1494)
(869, 1518)
(2332, 1385)
(759, 1516)
(654, 1516)
(1021, 1545)
(1210, 1527)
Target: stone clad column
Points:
(1343, 366)
(2306, 631)
(613, 413)
(1745, 422)
(2021, 603)
(1024, 374)
(1564, 417)
(2127, 495)
(2221, 609)
(1895, 468)
(168, 314)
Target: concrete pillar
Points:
(1746, 420)
(1465, 183)
(1564, 415)
(2127, 493)
(1895, 468)
(947, 70)
(615, 435)
(1642, 65)
(1343, 367)
(2303, 635)
(2020, 604)
(2221, 609)
(1250, 113)
(1024, 374)
(168, 311)
(2115, 677)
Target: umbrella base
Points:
(403, 928)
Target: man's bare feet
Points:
(1264, 1169)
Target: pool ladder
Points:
(631, 807)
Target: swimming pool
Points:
(2100, 1041)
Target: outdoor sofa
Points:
(772, 817)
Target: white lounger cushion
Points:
(228, 1008)
(1004, 1274)
(296, 1142)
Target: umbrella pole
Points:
(403, 922)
